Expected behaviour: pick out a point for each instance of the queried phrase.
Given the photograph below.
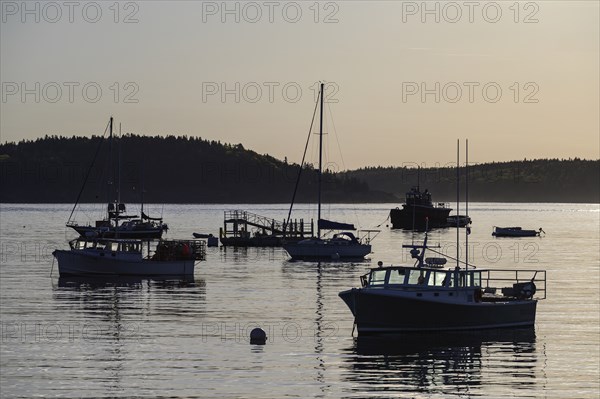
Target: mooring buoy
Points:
(258, 336)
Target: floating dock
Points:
(246, 229)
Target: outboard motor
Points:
(524, 290)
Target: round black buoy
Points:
(258, 336)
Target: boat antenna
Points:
(119, 167)
(457, 203)
(143, 185)
(320, 161)
(414, 208)
(467, 228)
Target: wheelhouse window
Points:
(377, 277)
(438, 279)
(111, 246)
(396, 276)
(417, 277)
(466, 279)
(475, 279)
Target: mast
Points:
(320, 162)
(457, 203)
(467, 204)
(118, 204)
(110, 167)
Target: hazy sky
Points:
(406, 79)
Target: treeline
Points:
(540, 180)
(181, 169)
(171, 169)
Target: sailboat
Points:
(117, 223)
(343, 245)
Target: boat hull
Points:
(323, 250)
(419, 216)
(81, 263)
(376, 311)
(499, 232)
(86, 231)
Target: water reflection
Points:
(111, 295)
(446, 363)
(112, 318)
(250, 254)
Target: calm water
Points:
(141, 337)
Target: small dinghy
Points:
(516, 232)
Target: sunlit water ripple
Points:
(145, 337)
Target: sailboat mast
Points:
(110, 167)
(457, 203)
(320, 161)
(118, 204)
(467, 204)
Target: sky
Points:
(404, 80)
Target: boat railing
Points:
(491, 280)
(368, 236)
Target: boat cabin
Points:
(390, 277)
(476, 284)
(162, 250)
(134, 246)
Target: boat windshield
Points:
(417, 277)
(396, 276)
(377, 277)
(439, 278)
(431, 278)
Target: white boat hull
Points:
(105, 263)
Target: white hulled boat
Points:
(90, 256)
(343, 245)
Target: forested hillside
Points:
(542, 180)
(192, 170)
(169, 169)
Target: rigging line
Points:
(386, 219)
(337, 139)
(88, 172)
(302, 163)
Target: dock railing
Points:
(236, 222)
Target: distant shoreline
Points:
(391, 204)
(186, 170)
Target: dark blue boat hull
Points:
(376, 312)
